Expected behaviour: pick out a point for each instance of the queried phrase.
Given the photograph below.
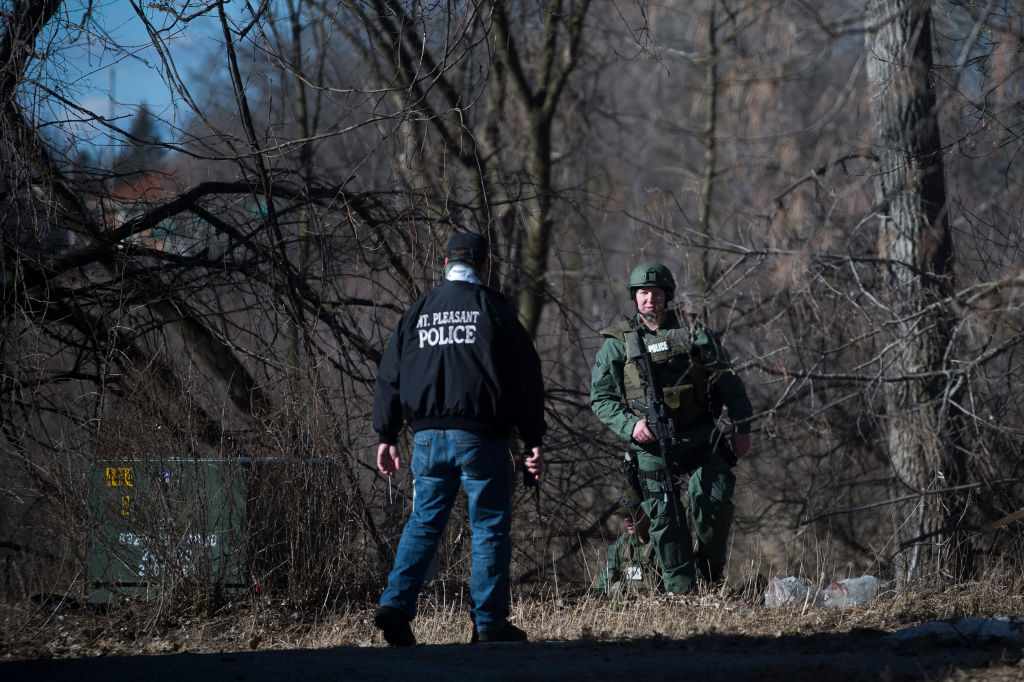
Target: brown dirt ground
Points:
(749, 642)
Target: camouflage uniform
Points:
(693, 371)
(631, 566)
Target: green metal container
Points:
(159, 521)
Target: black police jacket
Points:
(460, 359)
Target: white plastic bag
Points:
(848, 592)
(791, 590)
(851, 591)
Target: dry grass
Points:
(33, 631)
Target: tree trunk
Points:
(710, 141)
(540, 101)
(923, 438)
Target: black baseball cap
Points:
(467, 247)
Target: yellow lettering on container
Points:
(119, 476)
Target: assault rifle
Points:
(659, 419)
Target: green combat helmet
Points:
(651, 275)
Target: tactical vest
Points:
(678, 370)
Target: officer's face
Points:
(650, 300)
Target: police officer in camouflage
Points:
(692, 369)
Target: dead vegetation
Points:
(49, 630)
(252, 331)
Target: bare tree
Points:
(924, 436)
(231, 299)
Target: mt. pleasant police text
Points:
(447, 326)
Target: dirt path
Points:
(858, 655)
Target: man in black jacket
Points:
(462, 371)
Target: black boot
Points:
(504, 633)
(395, 626)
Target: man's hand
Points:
(387, 459)
(740, 444)
(642, 527)
(638, 526)
(642, 433)
(535, 462)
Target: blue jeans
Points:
(440, 460)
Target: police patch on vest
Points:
(678, 372)
(447, 327)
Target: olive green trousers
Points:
(710, 489)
